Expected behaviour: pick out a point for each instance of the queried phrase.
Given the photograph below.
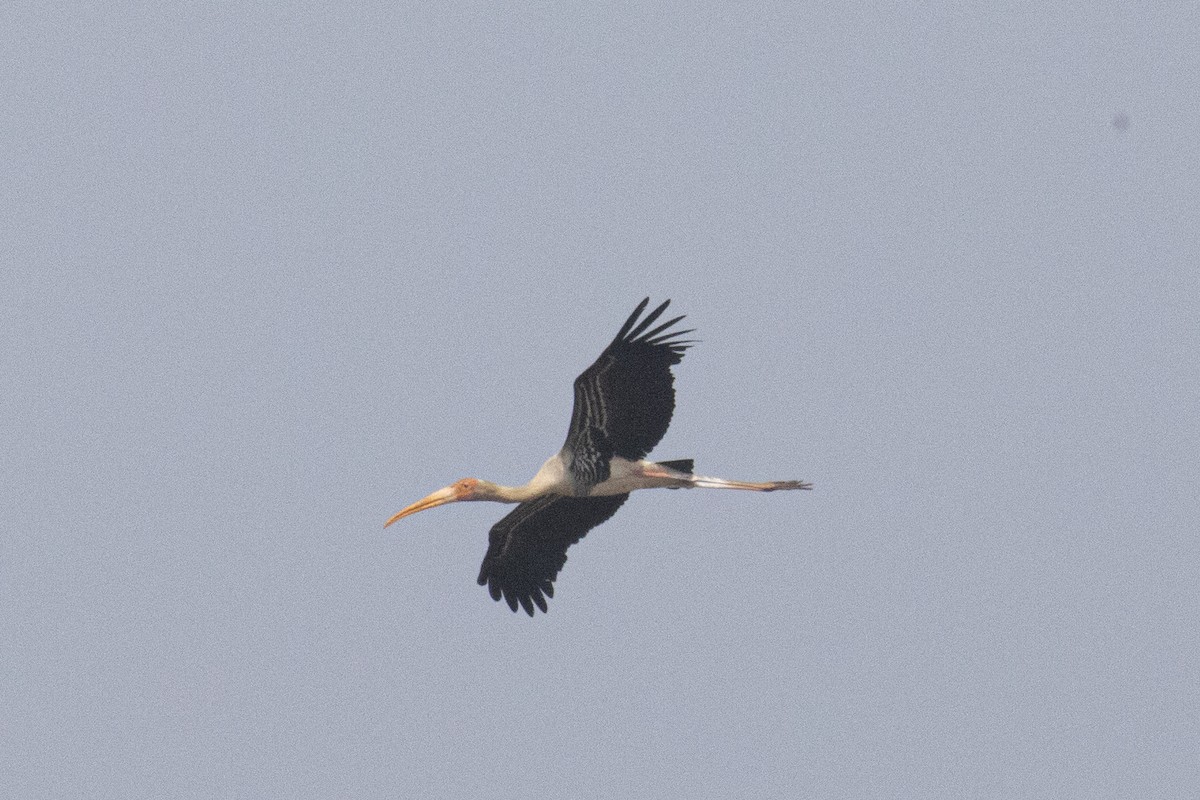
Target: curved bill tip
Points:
(438, 498)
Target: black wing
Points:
(528, 547)
(624, 401)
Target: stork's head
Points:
(465, 489)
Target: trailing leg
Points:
(705, 482)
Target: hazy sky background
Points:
(272, 273)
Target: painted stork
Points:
(623, 405)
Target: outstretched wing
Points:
(528, 547)
(624, 401)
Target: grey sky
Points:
(273, 273)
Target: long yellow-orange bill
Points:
(439, 498)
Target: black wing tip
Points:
(632, 320)
(649, 320)
(518, 599)
(636, 331)
(527, 600)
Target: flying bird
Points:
(623, 405)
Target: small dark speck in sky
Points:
(1120, 121)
